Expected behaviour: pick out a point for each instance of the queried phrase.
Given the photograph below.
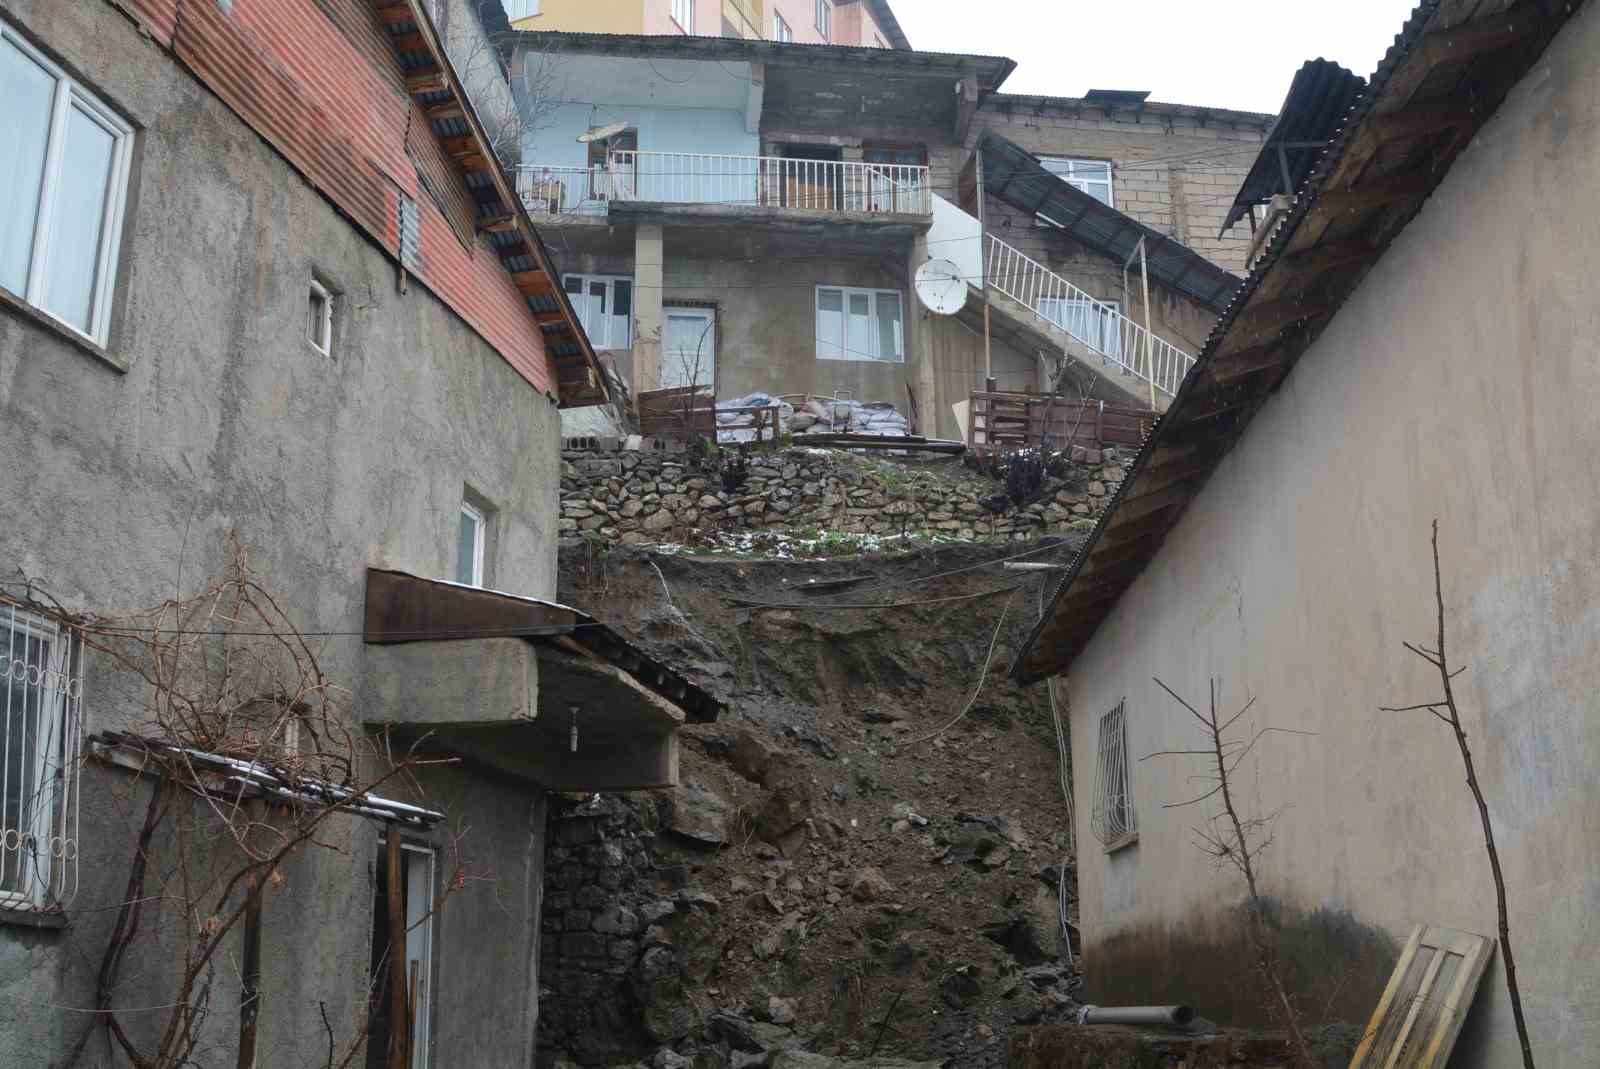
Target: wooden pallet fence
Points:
(686, 412)
(1000, 421)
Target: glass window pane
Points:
(77, 217)
(889, 327)
(858, 328)
(26, 89)
(830, 324)
(467, 549)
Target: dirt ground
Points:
(889, 870)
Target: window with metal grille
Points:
(41, 688)
(1112, 821)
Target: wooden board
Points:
(1422, 1009)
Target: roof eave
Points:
(1237, 382)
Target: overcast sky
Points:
(1218, 53)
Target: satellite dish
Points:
(941, 287)
(601, 133)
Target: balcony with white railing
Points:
(1096, 325)
(689, 178)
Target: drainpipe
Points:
(1160, 1016)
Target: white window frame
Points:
(521, 9)
(1066, 168)
(605, 341)
(1114, 821)
(324, 343)
(54, 681)
(480, 520)
(420, 929)
(69, 94)
(825, 19)
(845, 353)
(781, 30)
(683, 15)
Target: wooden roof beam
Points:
(1377, 193)
(1488, 33)
(1404, 125)
(1279, 312)
(431, 80)
(1326, 256)
(1243, 362)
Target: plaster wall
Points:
(1175, 173)
(705, 116)
(590, 16)
(657, 18)
(209, 413)
(801, 15)
(1457, 383)
(766, 323)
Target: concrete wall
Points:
(766, 324)
(1174, 172)
(1457, 384)
(222, 418)
(707, 116)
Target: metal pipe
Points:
(1146, 1015)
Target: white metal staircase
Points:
(1099, 327)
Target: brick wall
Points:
(1171, 170)
(320, 82)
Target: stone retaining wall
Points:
(642, 494)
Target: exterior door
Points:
(689, 350)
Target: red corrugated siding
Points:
(326, 90)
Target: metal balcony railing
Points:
(564, 190)
(1099, 326)
(708, 178)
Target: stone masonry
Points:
(647, 495)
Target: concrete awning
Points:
(503, 680)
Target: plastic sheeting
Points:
(815, 415)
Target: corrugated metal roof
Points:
(1017, 177)
(1319, 100)
(1397, 145)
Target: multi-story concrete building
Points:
(866, 23)
(750, 216)
(262, 278)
